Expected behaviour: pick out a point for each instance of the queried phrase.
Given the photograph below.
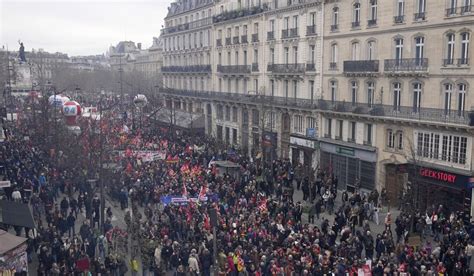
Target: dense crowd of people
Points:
(260, 228)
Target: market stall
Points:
(13, 258)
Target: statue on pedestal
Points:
(22, 52)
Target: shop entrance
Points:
(431, 195)
(394, 183)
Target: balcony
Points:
(238, 13)
(289, 33)
(310, 30)
(294, 32)
(420, 16)
(255, 67)
(334, 28)
(227, 41)
(219, 42)
(188, 26)
(450, 11)
(243, 39)
(361, 67)
(287, 69)
(233, 69)
(333, 66)
(310, 66)
(356, 24)
(371, 22)
(425, 114)
(466, 9)
(254, 38)
(463, 61)
(398, 19)
(235, 40)
(407, 66)
(271, 35)
(187, 69)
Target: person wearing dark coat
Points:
(206, 262)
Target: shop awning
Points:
(181, 118)
(9, 242)
(16, 214)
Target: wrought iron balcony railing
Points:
(451, 11)
(235, 40)
(333, 66)
(356, 24)
(376, 110)
(285, 33)
(361, 66)
(227, 41)
(311, 30)
(255, 67)
(289, 68)
(243, 39)
(187, 69)
(271, 35)
(219, 42)
(310, 66)
(294, 32)
(466, 9)
(234, 69)
(254, 38)
(398, 19)
(448, 61)
(406, 65)
(188, 26)
(420, 16)
(463, 61)
(371, 22)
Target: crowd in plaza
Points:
(261, 229)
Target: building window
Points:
(400, 8)
(417, 97)
(399, 49)
(370, 93)
(352, 132)
(234, 114)
(339, 129)
(295, 56)
(295, 22)
(312, 53)
(234, 136)
(397, 96)
(287, 55)
(368, 134)
(311, 90)
(461, 99)
(420, 10)
(419, 49)
(452, 7)
(355, 51)
(310, 122)
(333, 88)
(295, 89)
(453, 147)
(333, 64)
(298, 124)
(354, 89)
(227, 113)
(448, 92)
(255, 117)
(450, 50)
(272, 55)
(373, 10)
(286, 23)
(464, 49)
(312, 19)
(371, 50)
(272, 87)
(255, 55)
(220, 112)
(400, 140)
(286, 88)
(390, 139)
(335, 18)
(328, 133)
(356, 15)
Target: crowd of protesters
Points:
(260, 228)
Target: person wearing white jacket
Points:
(429, 224)
(193, 263)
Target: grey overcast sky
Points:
(79, 27)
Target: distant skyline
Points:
(79, 27)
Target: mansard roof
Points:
(181, 6)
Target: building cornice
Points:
(416, 28)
